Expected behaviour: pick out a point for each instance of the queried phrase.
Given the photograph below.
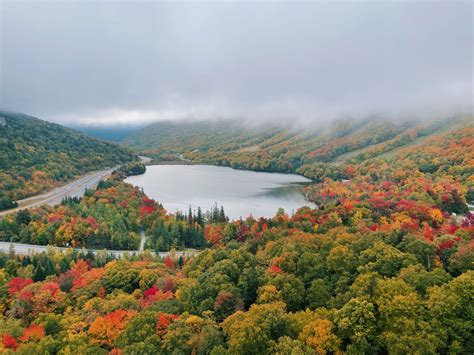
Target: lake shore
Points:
(180, 185)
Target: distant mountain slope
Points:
(227, 136)
(107, 133)
(182, 137)
(276, 148)
(36, 155)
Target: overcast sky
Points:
(114, 62)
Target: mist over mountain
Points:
(108, 133)
(310, 62)
(284, 148)
(279, 177)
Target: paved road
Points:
(74, 188)
(55, 196)
(28, 249)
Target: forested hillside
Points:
(276, 148)
(36, 155)
(384, 265)
(314, 153)
(170, 138)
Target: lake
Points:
(241, 192)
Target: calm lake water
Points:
(241, 192)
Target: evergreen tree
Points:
(23, 217)
(222, 216)
(190, 216)
(199, 217)
(49, 267)
(39, 273)
(64, 265)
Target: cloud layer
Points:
(107, 62)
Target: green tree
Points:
(255, 331)
(451, 307)
(424, 251)
(357, 323)
(292, 290)
(318, 294)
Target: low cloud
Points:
(131, 63)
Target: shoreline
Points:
(190, 162)
(281, 189)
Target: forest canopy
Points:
(384, 265)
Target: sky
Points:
(120, 63)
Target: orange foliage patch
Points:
(163, 321)
(105, 329)
(33, 333)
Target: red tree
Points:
(17, 284)
(169, 262)
(9, 341)
(169, 285)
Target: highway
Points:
(29, 249)
(75, 188)
(72, 189)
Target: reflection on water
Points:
(289, 191)
(241, 192)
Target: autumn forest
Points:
(383, 265)
(236, 177)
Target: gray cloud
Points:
(129, 62)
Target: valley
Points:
(309, 151)
(236, 177)
(390, 240)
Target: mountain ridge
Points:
(279, 148)
(36, 155)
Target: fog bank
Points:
(129, 63)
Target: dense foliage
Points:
(108, 217)
(132, 168)
(348, 277)
(36, 155)
(385, 265)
